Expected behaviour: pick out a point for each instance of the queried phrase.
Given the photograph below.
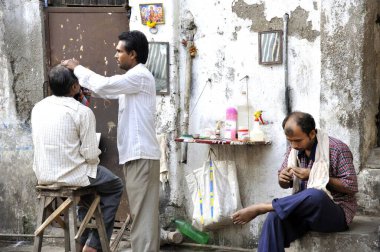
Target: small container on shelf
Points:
(243, 134)
(257, 135)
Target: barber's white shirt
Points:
(65, 145)
(136, 91)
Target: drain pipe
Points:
(187, 93)
(188, 29)
(285, 55)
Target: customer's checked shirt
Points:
(341, 167)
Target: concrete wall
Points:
(171, 196)
(21, 81)
(349, 89)
(228, 51)
(329, 76)
(333, 74)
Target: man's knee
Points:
(272, 217)
(315, 197)
(119, 185)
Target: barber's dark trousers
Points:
(294, 215)
(110, 188)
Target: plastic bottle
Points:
(244, 110)
(191, 232)
(257, 135)
(230, 126)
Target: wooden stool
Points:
(63, 201)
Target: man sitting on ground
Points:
(320, 170)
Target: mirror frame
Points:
(158, 65)
(270, 41)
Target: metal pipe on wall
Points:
(285, 56)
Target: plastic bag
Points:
(215, 194)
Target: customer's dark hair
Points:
(61, 79)
(137, 41)
(304, 120)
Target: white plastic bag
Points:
(215, 194)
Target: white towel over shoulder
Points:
(319, 174)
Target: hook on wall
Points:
(245, 77)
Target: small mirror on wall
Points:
(158, 64)
(270, 47)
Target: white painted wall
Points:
(226, 61)
(227, 52)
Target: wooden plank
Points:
(56, 213)
(72, 226)
(119, 235)
(101, 230)
(67, 231)
(58, 219)
(220, 141)
(88, 217)
(40, 217)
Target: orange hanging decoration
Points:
(193, 51)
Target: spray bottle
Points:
(257, 135)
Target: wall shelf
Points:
(220, 141)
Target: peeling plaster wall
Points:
(21, 80)
(371, 78)
(326, 75)
(349, 92)
(171, 195)
(333, 74)
(227, 52)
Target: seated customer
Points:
(66, 150)
(320, 170)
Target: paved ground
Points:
(23, 244)
(27, 246)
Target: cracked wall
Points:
(168, 109)
(350, 85)
(329, 77)
(332, 75)
(227, 63)
(21, 79)
(299, 25)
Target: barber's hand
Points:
(301, 173)
(70, 63)
(286, 176)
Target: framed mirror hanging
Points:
(158, 64)
(270, 47)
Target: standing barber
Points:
(136, 134)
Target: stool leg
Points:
(72, 226)
(40, 218)
(101, 230)
(67, 231)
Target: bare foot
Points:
(88, 249)
(247, 214)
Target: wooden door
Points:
(90, 34)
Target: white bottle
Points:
(244, 110)
(257, 135)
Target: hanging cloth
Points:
(319, 173)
